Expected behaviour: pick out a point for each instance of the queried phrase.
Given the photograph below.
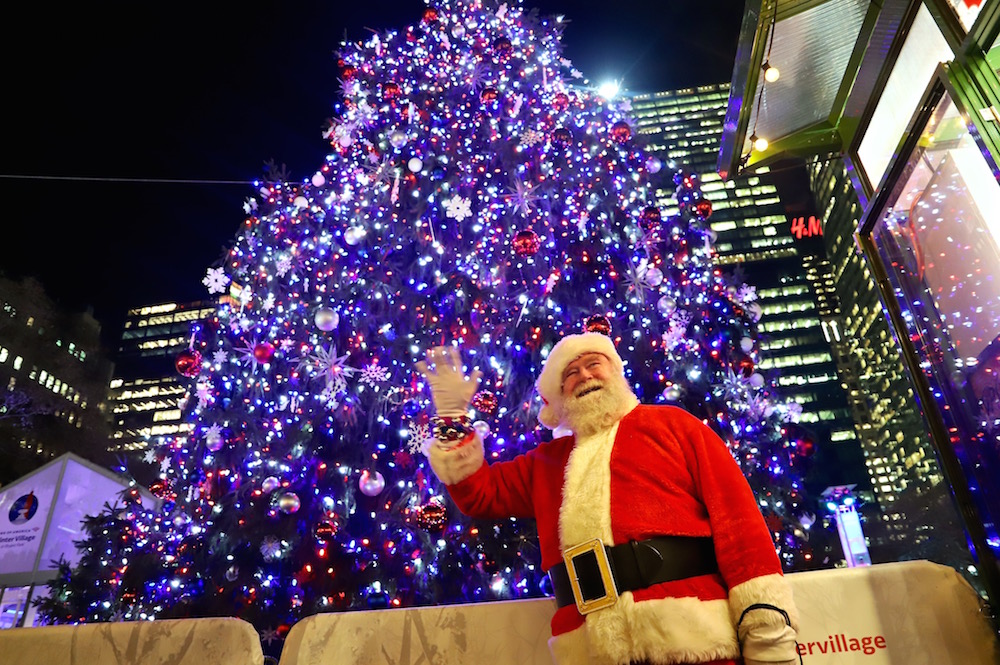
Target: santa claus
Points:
(650, 534)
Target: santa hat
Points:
(568, 349)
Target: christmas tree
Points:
(476, 193)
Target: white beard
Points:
(596, 411)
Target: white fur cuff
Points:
(454, 464)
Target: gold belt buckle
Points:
(610, 596)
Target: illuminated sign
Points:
(806, 228)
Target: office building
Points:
(904, 471)
(146, 389)
(765, 243)
(53, 381)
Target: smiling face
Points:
(595, 396)
(587, 374)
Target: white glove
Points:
(767, 639)
(453, 463)
(451, 390)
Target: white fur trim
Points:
(456, 463)
(568, 349)
(667, 630)
(585, 511)
(771, 589)
(549, 417)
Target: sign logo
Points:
(803, 228)
(23, 509)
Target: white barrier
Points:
(223, 641)
(912, 613)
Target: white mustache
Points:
(589, 387)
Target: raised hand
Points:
(451, 389)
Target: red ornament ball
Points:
(430, 15)
(526, 243)
(503, 48)
(745, 365)
(391, 90)
(561, 137)
(489, 95)
(703, 209)
(263, 352)
(432, 517)
(325, 531)
(485, 402)
(598, 323)
(621, 132)
(650, 218)
(188, 363)
(560, 102)
(348, 72)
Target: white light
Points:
(608, 89)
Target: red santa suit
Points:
(658, 471)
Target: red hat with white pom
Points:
(568, 349)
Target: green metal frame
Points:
(944, 82)
(976, 85)
(825, 137)
(859, 177)
(986, 28)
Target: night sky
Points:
(211, 91)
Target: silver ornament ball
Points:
(326, 319)
(371, 483)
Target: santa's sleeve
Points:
(487, 491)
(760, 599)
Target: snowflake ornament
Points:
(374, 374)
(165, 465)
(220, 358)
(268, 303)
(531, 137)
(792, 412)
(149, 456)
(216, 280)
(746, 293)
(458, 208)
(677, 331)
(328, 396)
(418, 438)
(282, 266)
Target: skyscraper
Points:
(53, 381)
(905, 474)
(146, 388)
(779, 255)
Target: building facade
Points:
(53, 381)
(146, 389)
(904, 470)
(756, 240)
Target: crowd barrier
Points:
(219, 641)
(908, 613)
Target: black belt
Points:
(603, 572)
